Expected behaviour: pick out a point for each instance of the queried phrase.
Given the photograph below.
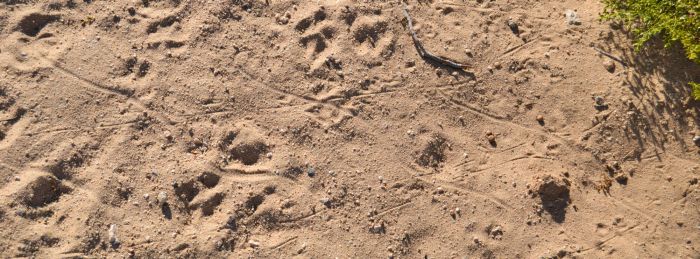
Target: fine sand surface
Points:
(313, 129)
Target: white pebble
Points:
(162, 198)
(112, 233)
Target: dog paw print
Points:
(318, 36)
(372, 38)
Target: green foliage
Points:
(673, 20)
(696, 90)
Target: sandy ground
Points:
(313, 129)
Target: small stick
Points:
(422, 51)
(610, 56)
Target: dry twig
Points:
(422, 51)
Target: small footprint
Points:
(12, 127)
(33, 23)
(372, 38)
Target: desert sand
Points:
(314, 129)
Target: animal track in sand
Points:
(244, 146)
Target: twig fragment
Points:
(422, 51)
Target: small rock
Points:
(491, 137)
(181, 246)
(112, 234)
(621, 178)
(572, 17)
(311, 172)
(696, 140)
(231, 223)
(540, 119)
(282, 19)
(599, 100)
(162, 198)
(513, 26)
(326, 202)
(378, 228)
(495, 231)
(469, 52)
(609, 65)
(254, 244)
(600, 103)
(476, 240)
(302, 248)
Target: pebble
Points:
(469, 52)
(609, 65)
(540, 118)
(496, 232)
(490, 136)
(326, 202)
(301, 249)
(231, 223)
(181, 246)
(599, 100)
(600, 103)
(253, 243)
(411, 133)
(162, 198)
(112, 234)
(513, 26)
(283, 19)
(572, 17)
(696, 140)
(311, 172)
(378, 228)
